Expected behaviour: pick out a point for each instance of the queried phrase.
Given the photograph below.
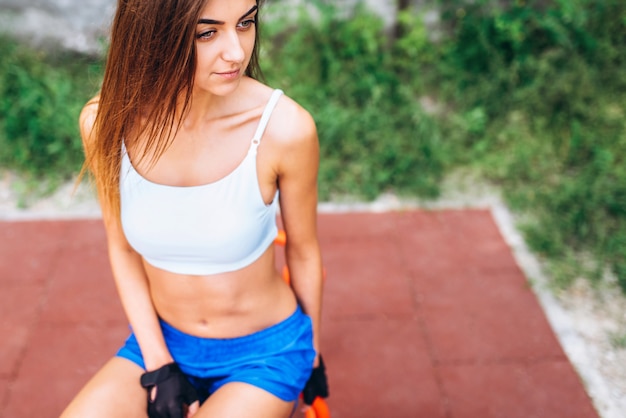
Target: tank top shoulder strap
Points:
(265, 117)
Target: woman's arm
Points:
(297, 182)
(127, 267)
(133, 289)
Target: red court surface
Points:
(426, 315)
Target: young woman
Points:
(191, 156)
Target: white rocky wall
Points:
(82, 24)
(74, 24)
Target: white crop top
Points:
(200, 230)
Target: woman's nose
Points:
(233, 50)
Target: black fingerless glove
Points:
(317, 384)
(172, 391)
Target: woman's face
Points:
(225, 36)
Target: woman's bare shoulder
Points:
(291, 124)
(87, 118)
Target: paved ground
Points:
(426, 315)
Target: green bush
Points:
(530, 94)
(538, 91)
(374, 135)
(41, 96)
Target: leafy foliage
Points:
(529, 93)
(374, 135)
(538, 90)
(40, 98)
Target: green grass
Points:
(538, 95)
(531, 97)
(41, 95)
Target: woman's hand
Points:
(170, 395)
(317, 385)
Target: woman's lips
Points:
(229, 75)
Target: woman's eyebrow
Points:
(219, 22)
(249, 12)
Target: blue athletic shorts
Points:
(278, 359)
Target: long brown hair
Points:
(149, 73)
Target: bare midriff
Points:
(225, 305)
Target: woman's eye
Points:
(246, 24)
(206, 34)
